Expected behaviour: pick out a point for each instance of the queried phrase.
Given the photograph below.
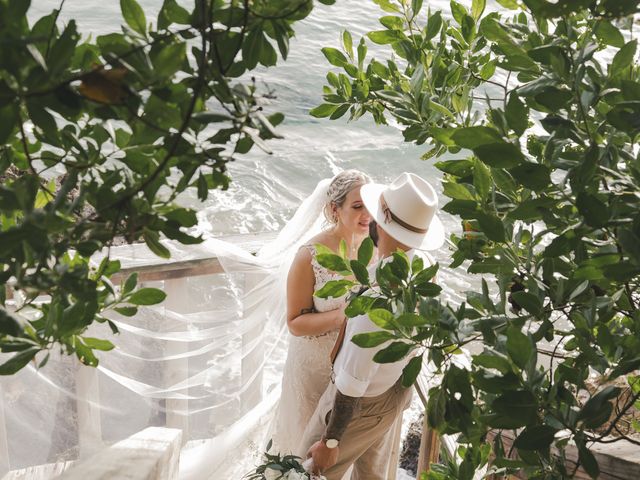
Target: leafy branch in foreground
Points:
(540, 133)
(99, 136)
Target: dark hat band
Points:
(389, 215)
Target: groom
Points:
(352, 424)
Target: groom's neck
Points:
(390, 246)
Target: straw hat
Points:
(406, 210)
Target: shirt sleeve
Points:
(356, 367)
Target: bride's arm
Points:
(301, 319)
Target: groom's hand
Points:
(323, 457)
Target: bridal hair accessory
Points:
(406, 210)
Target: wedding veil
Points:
(208, 360)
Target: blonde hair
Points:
(339, 188)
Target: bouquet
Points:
(285, 467)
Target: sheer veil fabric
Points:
(209, 360)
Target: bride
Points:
(314, 322)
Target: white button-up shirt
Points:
(356, 374)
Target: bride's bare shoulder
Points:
(324, 238)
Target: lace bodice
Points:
(322, 276)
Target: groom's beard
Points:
(373, 232)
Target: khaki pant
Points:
(368, 441)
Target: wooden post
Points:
(176, 409)
(88, 409)
(429, 447)
(252, 352)
(4, 444)
(152, 454)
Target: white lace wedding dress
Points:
(306, 373)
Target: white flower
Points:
(293, 475)
(271, 474)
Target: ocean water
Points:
(266, 189)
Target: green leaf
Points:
(340, 111)
(492, 227)
(436, 408)
(493, 359)
(98, 344)
(394, 352)
(127, 311)
(514, 409)
(360, 271)
(18, 361)
(487, 70)
(152, 239)
(365, 251)
(170, 59)
(347, 41)
(596, 402)
(528, 301)
(458, 11)
(252, 48)
(372, 339)
(481, 178)
(8, 122)
(468, 28)
(477, 8)
(608, 34)
(333, 262)
(499, 155)
(588, 461)
(170, 13)
(382, 318)
(130, 283)
(411, 320)
(9, 324)
(411, 371)
(359, 306)
(324, 110)
(433, 25)
(384, 37)
(509, 4)
(519, 347)
(428, 289)
(134, 15)
(147, 296)
(532, 175)
(538, 437)
(335, 56)
(85, 354)
(623, 58)
(473, 137)
(517, 114)
(387, 6)
(334, 289)
(457, 190)
(594, 211)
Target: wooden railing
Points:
(174, 274)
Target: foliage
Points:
(543, 169)
(98, 136)
(280, 467)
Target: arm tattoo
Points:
(307, 310)
(344, 408)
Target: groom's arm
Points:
(344, 408)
